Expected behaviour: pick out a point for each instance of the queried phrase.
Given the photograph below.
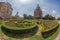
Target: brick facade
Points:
(5, 10)
(38, 13)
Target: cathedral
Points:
(6, 12)
(37, 13)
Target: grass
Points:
(54, 35)
(35, 37)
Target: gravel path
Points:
(58, 37)
(38, 32)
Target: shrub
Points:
(19, 30)
(49, 25)
(19, 26)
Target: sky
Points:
(51, 7)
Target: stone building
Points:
(5, 10)
(38, 13)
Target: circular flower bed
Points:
(19, 26)
(49, 25)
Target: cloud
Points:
(42, 1)
(43, 10)
(24, 1)
(53, 11)
(47, 8)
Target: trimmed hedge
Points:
(49, 25)
(20, 24)
(18, 30)
(52, 28)
(0, 21)
(49, 29)
(50, 32)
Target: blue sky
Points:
(51, 7)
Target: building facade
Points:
(38, 13)
(5, 10)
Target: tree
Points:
(25, 16)
(58, 18)
(49, 17)
(30, 17)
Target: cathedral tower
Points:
(38, 13)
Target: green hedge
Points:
(49, 25)
(50, 32)
(49, 29)
(1, 22)
(19, 30)
(20, 24)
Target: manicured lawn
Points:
(34, 37)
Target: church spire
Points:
(38, 12)
(16, 14)
(38, 7)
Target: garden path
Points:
(39, 29)
(58, 37)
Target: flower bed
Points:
(19, 26)
(49, 25)
(50, 32)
